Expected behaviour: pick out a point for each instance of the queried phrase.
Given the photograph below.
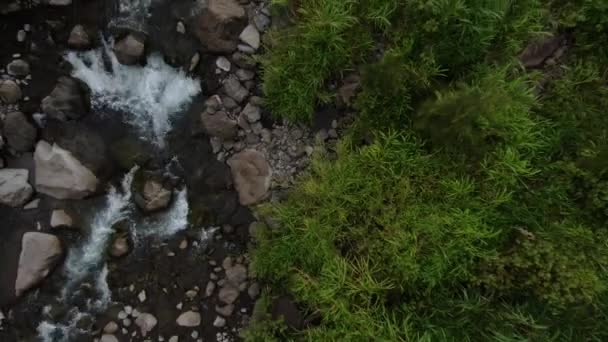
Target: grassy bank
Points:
(479, 211)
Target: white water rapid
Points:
(148, 96)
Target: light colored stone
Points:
(174, 339)
(209, 289)
(59, 174)
(21, 35)
(129, 50)
(251, 36)
(252, 113)
(108, 338)
(234, 89)
(120, 247)
(155, 196)
(142, 296)
(219, 322)
(15, 190)
(189, 319)
(39, 251)
(10, 92)
(252, 175)
(228, 294)
(180, 28)
(59, 218)
(110, 328)
(32, 204)
(79, 38)
(146, 323)
(223, 63)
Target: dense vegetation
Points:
(478, 212)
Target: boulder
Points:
(154, 196)
(59, 174)
(252, 113)
(10, 92)
(189, 319)
(219, 24)
(250, 36)
(18, 67)
(39, 255)
(233, 88)
(59, 218)
(70, 99)
(19, 132)
(252, 175)
(218, 124)
(129, 50)
(108, 338)
(79, 38)
(14, 188)
(236, 274)
(146, 322)
(228, 294)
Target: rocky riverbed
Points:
(134, 143)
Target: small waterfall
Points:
(80, 262)
(131, 14)
(148, 96)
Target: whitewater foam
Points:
(149, 96)
(170, 222)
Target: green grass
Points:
(478, 212)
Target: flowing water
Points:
(148, 96)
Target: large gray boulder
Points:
(70, 99)
(14, 188)
(39, 255)
(219, 24)
(19, 132)
(252, 175)
(10, 92)
(59, 174)
(154, 196)
(129, 50)
(218, 124)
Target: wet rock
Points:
(252, 113)
(70, 99)
(228, 294)
(174, 339)
(59, 218)
(154, 197)
(252, 175)
(21, 35)
(219, 125)
(142, 296)
(219, 322)
(129, 50)
(18, 67)
(218, 25)
(233, 88)
(10, 92)
(196, 58)
(15, 191)
(79, 38)
(108, 338)
(110, 328)
(250, 36)
(60, 175)
(146, 323)
(189, 319)
(19, 132)
(39, 253)
(120, 247)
